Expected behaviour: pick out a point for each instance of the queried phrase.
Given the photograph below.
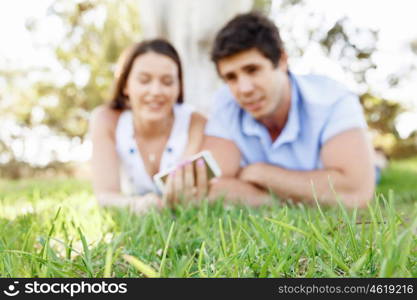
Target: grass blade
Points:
(164, 255)
(141, 267)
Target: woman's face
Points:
(153, 86)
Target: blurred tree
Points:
(381, 113)
(191, 25)
(96, 32)
(61, 96)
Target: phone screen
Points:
(212, 168)
(210, 172)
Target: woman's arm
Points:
(105, 164)
(137, 204)
(195, 134)
(185, 183)
(104, 161)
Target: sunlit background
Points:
(57, 59)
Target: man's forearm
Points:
(324, 185)
(238, 191)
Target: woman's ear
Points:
(124, 91)
(127, 103)
(125, 95)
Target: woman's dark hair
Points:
(247, 31)
(118, 99)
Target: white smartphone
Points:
(213, 169)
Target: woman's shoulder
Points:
(105, 115)
(197, 120)
(104, 118)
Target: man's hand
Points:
(253, 173)
(238, 191)
(142, 204)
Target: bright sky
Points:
(395, 20)
(397, 25)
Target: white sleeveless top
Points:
(134, 178)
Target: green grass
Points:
(401, 177)
(55, 229)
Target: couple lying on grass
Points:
(299, 137)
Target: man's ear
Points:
(283, 62)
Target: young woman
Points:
(144, 129)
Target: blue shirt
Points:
(320, 109)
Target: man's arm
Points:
(235, 190)
(226, 154)
(347, 173)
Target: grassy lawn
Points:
(55, 229)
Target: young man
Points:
(300, 137)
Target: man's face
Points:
(258, 86)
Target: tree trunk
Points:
(191, 25)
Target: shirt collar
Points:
(252, 127)
(292, 127)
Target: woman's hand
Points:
(143, 204)
(136, 204)
(188, 183)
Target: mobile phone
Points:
(213, 169)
